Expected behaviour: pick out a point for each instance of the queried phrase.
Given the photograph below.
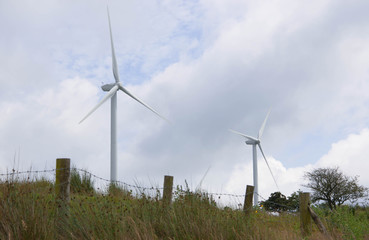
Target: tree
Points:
(278, 202)
(293, 201)
(333, 187)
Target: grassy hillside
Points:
(28, 210)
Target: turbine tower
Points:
(112, 90)
(256, 142)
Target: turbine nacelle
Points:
(252, 142)
(107, 87)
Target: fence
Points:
(62, 174)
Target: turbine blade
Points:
(263, 125)
(107, 96)
(114, 60)
(262, 152)
(243, 135)
(140, 101)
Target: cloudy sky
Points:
(205, 65)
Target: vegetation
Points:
(277, 202)
(81, 183)
(28, 210)
(349, 222)
(333, 187)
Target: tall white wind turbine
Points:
(112, 90)
(256, 141)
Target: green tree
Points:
(277, 202)
(333, 187)
(293, 201)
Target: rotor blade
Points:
(263, 125)
(107, 96)
(261, 150)
(243, 135)
(138, 100)
(114, 60)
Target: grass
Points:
(351, 222)
(28, 210)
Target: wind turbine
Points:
(112, 90)
(256, 141)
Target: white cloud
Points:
(45, 126)
(351, 155)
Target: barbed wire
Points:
(142, 188)
(13, 173)
(117, 182)
(227, 194)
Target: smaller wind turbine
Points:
(256, 141)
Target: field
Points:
(29, 210)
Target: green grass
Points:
(352, 222)
(28, 211)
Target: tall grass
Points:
(351, 222)
(81, 183)
(28, 211)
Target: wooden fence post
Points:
(62, 183)
(305, 217)
(167, 191)
(247, 206)
(317, 221)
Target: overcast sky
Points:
(207, 66)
